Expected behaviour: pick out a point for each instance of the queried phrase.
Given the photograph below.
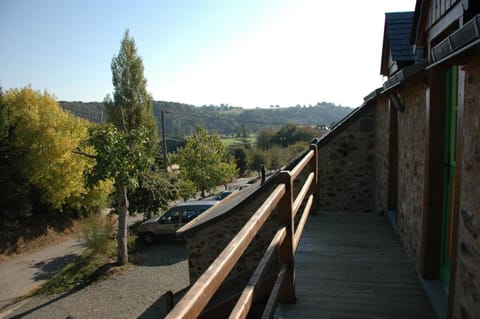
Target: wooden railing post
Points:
(314, 169)
(168, 300)
(286, 251)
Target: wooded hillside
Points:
(182, 119)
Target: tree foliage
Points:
(290, 134)
(120, 157)
(241, 161)
(155, 191)
(38, 139)
(204, 161)
(131, 106)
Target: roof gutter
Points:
(460, 41)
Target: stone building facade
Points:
(411, 165)
(467, 276)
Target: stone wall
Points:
(411, 166)
(382, 125)
(467, 289)
(346, 166)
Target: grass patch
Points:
(96, 231)
(96, 262)
(75, 275)
(237, 141)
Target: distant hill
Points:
(181, 119)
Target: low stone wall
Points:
(467, 289)
(346, 166)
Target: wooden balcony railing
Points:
(285, 241)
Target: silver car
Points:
(166, 225)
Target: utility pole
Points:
(164, 140)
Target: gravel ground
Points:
(132, 294)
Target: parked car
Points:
(220, 195)
(166, 225)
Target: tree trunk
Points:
(122, 199)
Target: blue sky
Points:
(249, 53)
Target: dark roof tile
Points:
(398, 29)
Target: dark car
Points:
(166, 225)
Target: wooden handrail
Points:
(301, 165)
(303, 192)
(197, 297)
(286, 241)
(302, 222)
(273, 299)
(245, 301)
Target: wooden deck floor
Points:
(353, 266)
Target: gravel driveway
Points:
(132, 294)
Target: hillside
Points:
(181, 119)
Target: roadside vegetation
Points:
(97, 232)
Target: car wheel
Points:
(148, 238)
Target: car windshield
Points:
(222, 195)
(188, 215)
(171, 217)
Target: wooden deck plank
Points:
(353, 266)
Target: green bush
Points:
(97, 232)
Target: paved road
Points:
(21, 274)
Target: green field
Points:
(229, 141)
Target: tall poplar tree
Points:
(131, 106)
(131, 113)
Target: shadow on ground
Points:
(46, 269)
(162, 254)
(156, 310)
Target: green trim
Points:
(450, 169)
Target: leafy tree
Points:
(122, 157)
(241, 160)
(265, 138)
(290, 134)
(131, 106)
(125, 150)
(37, 143)
(154, 192)
(186, 188)
(204, 161)
(256, 159)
